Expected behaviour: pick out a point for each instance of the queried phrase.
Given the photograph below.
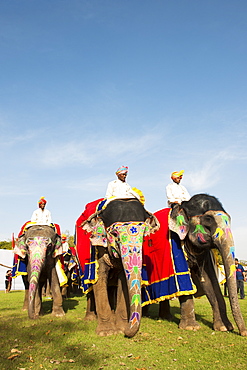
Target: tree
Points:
(6, 245)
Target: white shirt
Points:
(41, 217)
(65, 247)
(120, 189)
(176, 193)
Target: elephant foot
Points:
(121, 326)
(58, 312)
(219, 326)
(243, 333)
(90, 316)
(104, 330)
(189, 325)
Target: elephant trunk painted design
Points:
(129, 237)
(37, 247)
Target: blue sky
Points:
(88, 86)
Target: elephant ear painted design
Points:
(178, 222)
(20, 247)
(152, 225)
(58, 251)
(98, 235)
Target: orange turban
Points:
(177, 174)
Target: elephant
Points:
(203, 225)
(117, 233)
(42, 246)
(72, 272)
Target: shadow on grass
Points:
(153, 313)
(68, 304)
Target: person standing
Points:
(8, 281)
(41, 216)
(175, 192)
(240, 277)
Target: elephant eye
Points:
(208, 221)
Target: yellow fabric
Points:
(177, 174)
(60, 273)
(140, 193)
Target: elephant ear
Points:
(152, 225)
(58, 251)
(20, 248)
(179, 222)
(95, 226)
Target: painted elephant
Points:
(42, 246)
(203, 224)
(117, 234)
(72, 272)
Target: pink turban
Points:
(122, 169)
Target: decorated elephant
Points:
(117, 233)
(203, 225)
(42, 246)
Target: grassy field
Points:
(71, 343)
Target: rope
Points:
(8, 267)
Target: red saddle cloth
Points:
(82, 236)
(24, 228)
(157, 250)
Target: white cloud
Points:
(95, 150)
(209, 173)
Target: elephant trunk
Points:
(37, 253)
(134, 290)
(224, 241)
(131, 252)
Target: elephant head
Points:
(206, 225)
(121, 228)
(37, 243)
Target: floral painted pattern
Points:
(129, 237)
(37, 248)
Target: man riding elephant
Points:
(39, 248)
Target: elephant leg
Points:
(213, 292)
(25, 303)
(121, 313)
(57, 307)
(106, 320)
(164, 310)
(188, 320)
(26, 285)
(91, 309)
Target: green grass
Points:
(71, 342)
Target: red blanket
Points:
(157, 249)
(82, 236)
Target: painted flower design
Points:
(124, 250)
(134, 262)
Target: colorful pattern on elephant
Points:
(181, 223)
(37, 249)
(199, 231)
(130, 235)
